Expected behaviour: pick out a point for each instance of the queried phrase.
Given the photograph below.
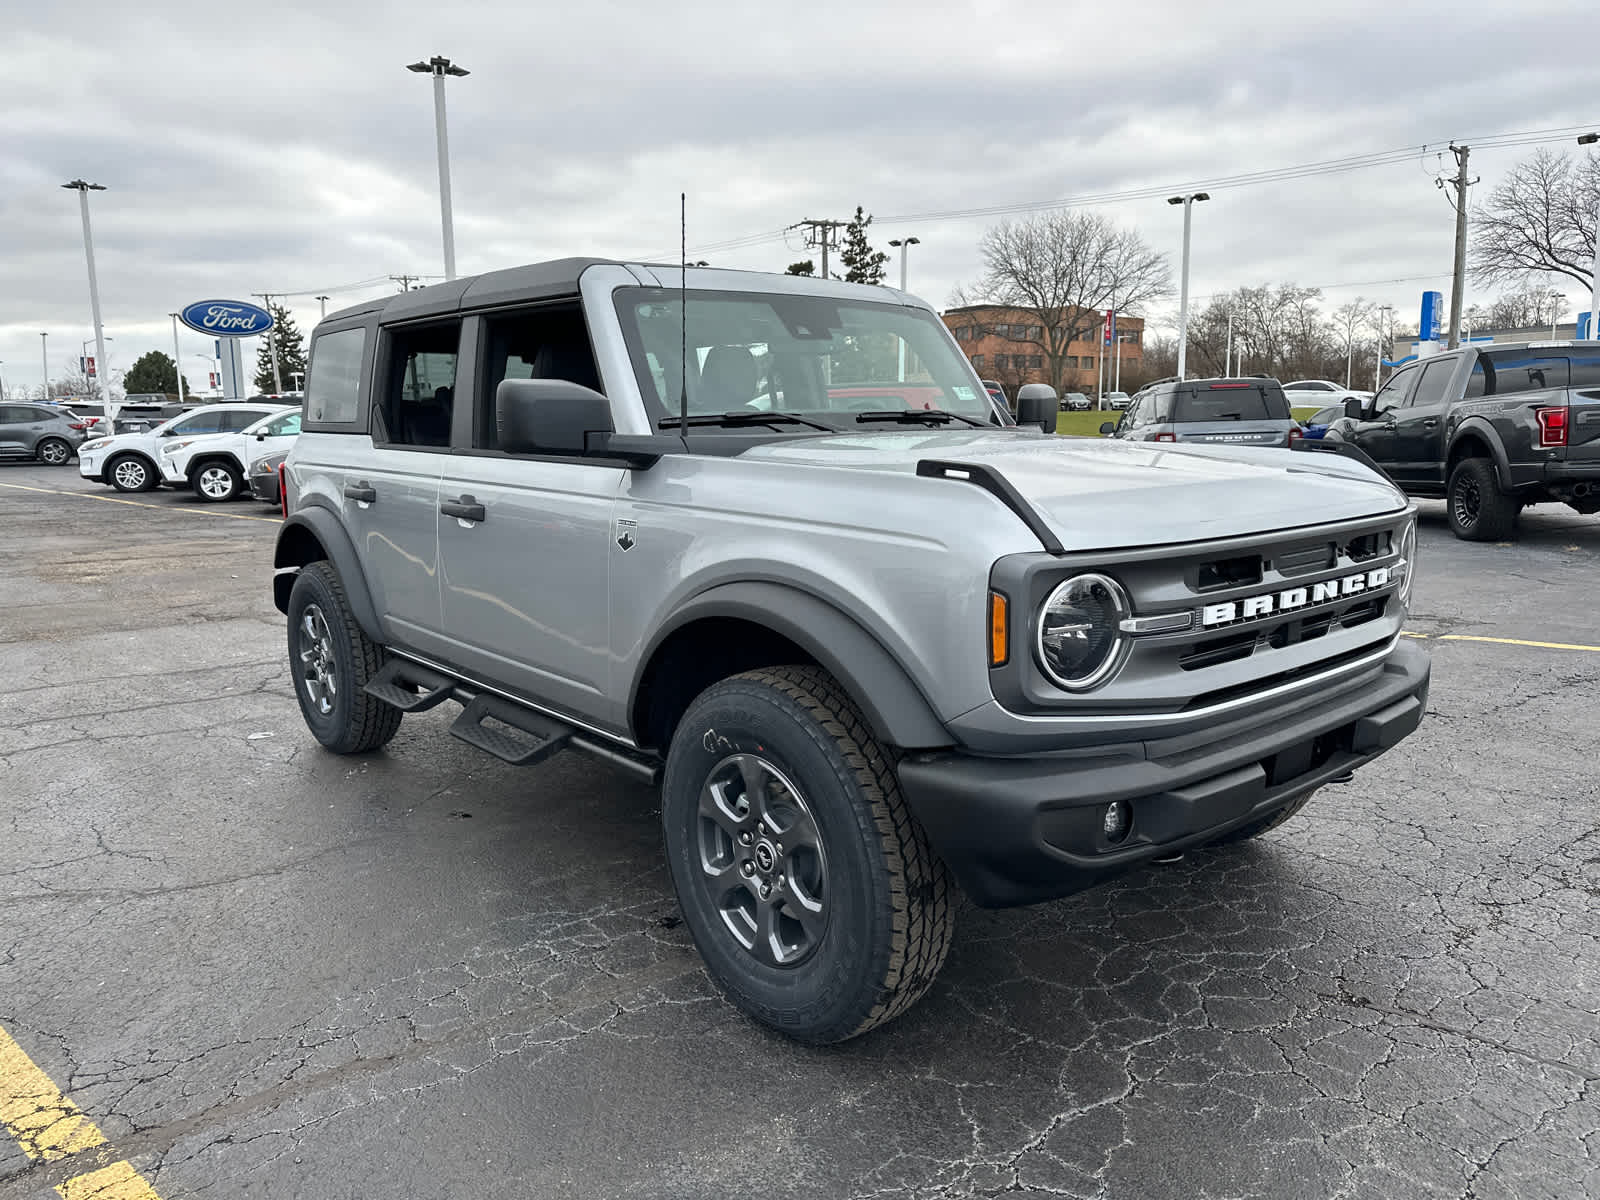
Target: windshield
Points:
(279, 425)
(771, 352)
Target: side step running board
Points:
(409, 687)
(546, 736)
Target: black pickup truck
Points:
(1489, 430)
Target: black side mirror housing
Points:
(1352, 408)
(549, 416)
(1107, 428)
(1037, 404)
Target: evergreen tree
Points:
(802, 268)
(291, 352)
(862, 264)
(154, 372)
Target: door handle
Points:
(1431, 423)
(464, 508)
(363, 491)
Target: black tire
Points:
(132, 473)
(1478, 510)
(883, 915)
(1271, 821)
(216, 481)
(330, 661)
(53, 452)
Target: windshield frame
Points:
(958, 370)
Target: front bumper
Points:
(1016, 830)
(92, 465)
(265, 487)
(173, 472)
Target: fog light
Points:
(1117, 820)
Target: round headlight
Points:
(1080, 635)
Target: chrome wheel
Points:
(54, 453)
(215, 482)
(761, 860)
(316, 660)
(130, 474)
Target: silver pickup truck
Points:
(760, 539)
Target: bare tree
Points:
(1525, 308)
(1062, 270)
(1540, 220)
(1347, 319)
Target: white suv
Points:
(128, 461)
(216, 465)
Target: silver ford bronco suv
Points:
(760, 539)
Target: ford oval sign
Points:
(226, 318)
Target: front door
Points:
(1375, 433)
(1419, 427)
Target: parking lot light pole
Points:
(1377, 369)
(904, 246)
(1188, 203)
(83, 188)
(177, 359)
(440, 67)
(1590, 139)
(1121, 337)
(44, 361)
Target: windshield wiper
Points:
(917, 416)
(752, 417)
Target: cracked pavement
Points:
(266, 971)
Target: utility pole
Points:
(272, 344)
(405, 281)
(1460, 286)
(821, 235)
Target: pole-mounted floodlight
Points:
(83, 188)
(439, 66)
(1183, 291)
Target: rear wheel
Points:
(53, 452)
(218, 481)
(1479, 511)
(330, 661)
(131, 473)
(808, 886)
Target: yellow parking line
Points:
(193, 512)
(1466, 637)
(49, 1127)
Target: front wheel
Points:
(1479, 511)
(218, 481)
(131, 473)
(808, 886)
(330, 661)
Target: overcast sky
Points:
(283, 148)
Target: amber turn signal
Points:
(999, 646)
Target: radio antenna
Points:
(683, 317)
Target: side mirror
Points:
(551, 416)
(261, 437)
(1037, 405)
(1352, 407)
(1107, 428)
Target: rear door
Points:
(1232, 412)
(14, 436)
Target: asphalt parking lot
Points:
(254, 969)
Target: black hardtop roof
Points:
(536, 281)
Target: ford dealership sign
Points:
(226, 318)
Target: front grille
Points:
(1292, 631)
(1239, 691)
(1302, 560)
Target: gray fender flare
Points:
(893, 705)
(1485, 433)
(323, 526)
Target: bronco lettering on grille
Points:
(1254, 607)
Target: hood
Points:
(1101, 494)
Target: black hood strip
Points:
(998, 486)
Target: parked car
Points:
(1319, 422)
(1076, 402)
(129, 462)
(1117, 400)
(1489, 430)
(996, 390)
(41, 432)
(216, 465)
(869, 655)
(263, 478)
(1236, 412)
(1304, 393)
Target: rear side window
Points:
(333, 386)
(420, 385)
(1522, 371)
(1231, 402)
(202, 422)
(1585, 368)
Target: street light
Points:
(904, 246)
(1188, 203)
(83, 188)
(44, 361)
(177, 359)
(1377, 371)
(1590, 139)
(1122, 337)
(323, 300)
(2, 380)
(440, 67)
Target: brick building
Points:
(1005, 344)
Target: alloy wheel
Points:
(130, 474)
(1466, 502)
(762, 863)
(320, 675)
(54, 453)
(215, 482)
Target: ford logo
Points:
(226, 318)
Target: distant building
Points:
(1003, 344)
(1404, 348)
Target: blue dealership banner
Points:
(1432, 314)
